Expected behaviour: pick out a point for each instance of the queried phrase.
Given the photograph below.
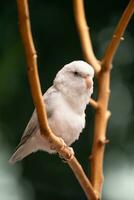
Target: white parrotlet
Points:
(66, 101)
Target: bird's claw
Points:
(71, 155)
(71, 152)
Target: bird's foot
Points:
(70, 155)
(52, 146)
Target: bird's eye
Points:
(76, 73)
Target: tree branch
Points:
(117, 36)
(103, 76)
(102, 114)
(84, 34)
(32, 70)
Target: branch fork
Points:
(103, 73)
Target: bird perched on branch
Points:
(65, 102)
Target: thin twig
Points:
(33, 76)
(84, 34)
(93, 103)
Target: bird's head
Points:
(75, 78)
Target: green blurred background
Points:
(41, 176)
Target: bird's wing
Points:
(33, 125)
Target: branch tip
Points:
(93, 103)
(103, 141)
(108, 114)
(122, 38)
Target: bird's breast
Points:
(67, 124)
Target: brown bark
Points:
(102, 70)
(102, 113)
(32, 70)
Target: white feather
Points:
(65, 102)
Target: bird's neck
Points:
(76, 102)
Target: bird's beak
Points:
(88, 81)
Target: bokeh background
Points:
(41, 176)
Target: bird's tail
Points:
(23, 151)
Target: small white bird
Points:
(66, 102)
